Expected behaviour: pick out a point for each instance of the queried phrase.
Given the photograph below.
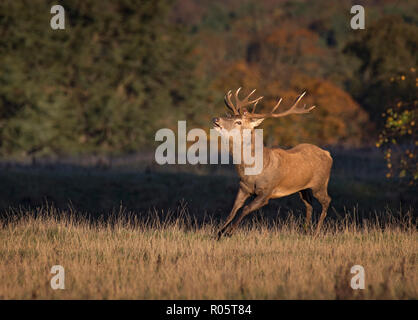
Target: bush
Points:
(399, 138)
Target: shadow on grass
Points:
(357, 187)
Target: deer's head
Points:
(243, 119)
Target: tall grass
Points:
(174, 256)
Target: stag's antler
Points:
(239, 104)
(237, 108)
(295, 109)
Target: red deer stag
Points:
(304, 168)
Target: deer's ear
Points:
(256, 122)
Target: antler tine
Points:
(255, 105)
(245, 102)
(277, 105)
(292, 110)
(298, 99)
(229, 103)
(237, 100)
(296, 109)
(236, 93)
(256, 100)
(239, 104)
(246, 98)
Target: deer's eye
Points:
(238, 122)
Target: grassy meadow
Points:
(81, 105)
(125, 258)
(147, 232)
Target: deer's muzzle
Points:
(216, 122)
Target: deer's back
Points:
(301, 167)
(306, 150)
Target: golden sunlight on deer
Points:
(305, 168)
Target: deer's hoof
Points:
(228, 233)
(224, 233)
(220, 234)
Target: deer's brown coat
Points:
(305, 168)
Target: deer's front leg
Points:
(258, 202)
(242, 195)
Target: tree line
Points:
(122, 70)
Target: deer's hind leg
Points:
(306, 197)
(324, 199)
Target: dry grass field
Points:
(127, 258)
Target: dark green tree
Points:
(386, 48)
(117, 73)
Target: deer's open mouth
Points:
(217, 125)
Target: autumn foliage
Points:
(121, 71)
(337, 118)
(399, 138)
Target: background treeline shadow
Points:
(136, 184)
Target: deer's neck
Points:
(241, 167)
